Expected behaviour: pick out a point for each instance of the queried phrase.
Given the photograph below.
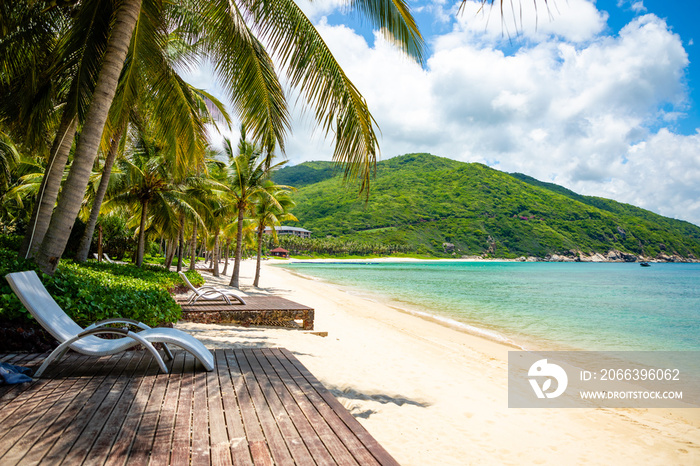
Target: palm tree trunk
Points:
(64, 216)
(239, 250)
(215, 256)
(181, 241)
(142, 234)
(228, 245)
(193, 247)
(50, 185)
(261, 229)
(170, 253)
(86, 240)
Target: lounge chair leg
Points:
(168, 353)
(150, 348)
(55, 355)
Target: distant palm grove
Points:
(104, 146)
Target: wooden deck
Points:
(258, 310)
(260, 406)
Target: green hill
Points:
(440, 206)
(306, 173)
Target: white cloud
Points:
(636, 6)
(575, 113)
(572, 20)
(315, 10)
(660, 174)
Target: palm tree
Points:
(249, 170)
(144, 181)
(226, 31)
(272, 207)
(9, 156)
(52, 74)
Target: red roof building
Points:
(280, 252)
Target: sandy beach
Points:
(433, 395)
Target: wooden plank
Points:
(38, 402)
(256, 439)
(336, 448)
(122, 443)
(252, 303)
(278, 447)
(302, 430)
(102, 445)
(36, 444)
(200, 423)
(339, 426)
(162, 445)
(261, 406)
(362, 434)
(238, 443)
(24, 392)
(140, 452)
(80, 449)
(29, 399)
(218, 435)
(291, 436)
(74, 426)
(180, 454)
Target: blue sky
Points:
(681, 17)
(600, 97)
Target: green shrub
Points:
(10, 306)
(13, 242)
(97, 290)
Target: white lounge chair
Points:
(70, 335)
(105, 257)
(209, 292)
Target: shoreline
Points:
(426, 314)
(593, 259)
(434, 395)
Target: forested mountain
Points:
(441, 206)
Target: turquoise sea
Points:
(586, 306)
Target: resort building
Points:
(296, 231)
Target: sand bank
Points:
(433, 395)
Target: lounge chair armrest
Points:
(99, 330)
(207, 288)
(118, 320)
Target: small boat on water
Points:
(645, 264)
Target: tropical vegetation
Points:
(79, 78)
(105, 148)
(97, 290)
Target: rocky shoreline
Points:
(612, 256)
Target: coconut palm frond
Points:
(393, 18)
(247, 73)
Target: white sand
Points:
(432, 395)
